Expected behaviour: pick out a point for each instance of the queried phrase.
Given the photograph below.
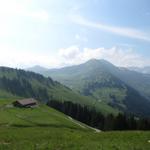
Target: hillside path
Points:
(82, 126)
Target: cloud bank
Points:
(118, 56)
(70, 56)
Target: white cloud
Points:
(73, 55)
(115, 55)
(123, 31)
(69, 53)
(13, 57)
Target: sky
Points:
(58, 33)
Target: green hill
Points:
(45, 128)
(42, 116)
(105, 83)
(20, 83)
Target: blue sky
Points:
(56, 33)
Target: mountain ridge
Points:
(17, 82)
(105, 82)
(144, 70)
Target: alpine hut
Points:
(27, 103)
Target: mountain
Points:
(138, 81)
(19, 83)
(37, 69)
(145, 70)
(119, 88)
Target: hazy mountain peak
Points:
(37, 66)
(100, 64)
(93, 60)
(98, 61)
(37, 69)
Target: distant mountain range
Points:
(145, 70)
(40, 69)
(120, 88)
(37, 69)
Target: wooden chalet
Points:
(27, 103)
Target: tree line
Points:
(22, 87)
(98, 120)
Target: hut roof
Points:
(27, 101)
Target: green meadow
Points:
(44, 128)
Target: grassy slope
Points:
(45, 128)
(54, 89)
(83, 100)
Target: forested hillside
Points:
(107, 83)
(20, 83)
